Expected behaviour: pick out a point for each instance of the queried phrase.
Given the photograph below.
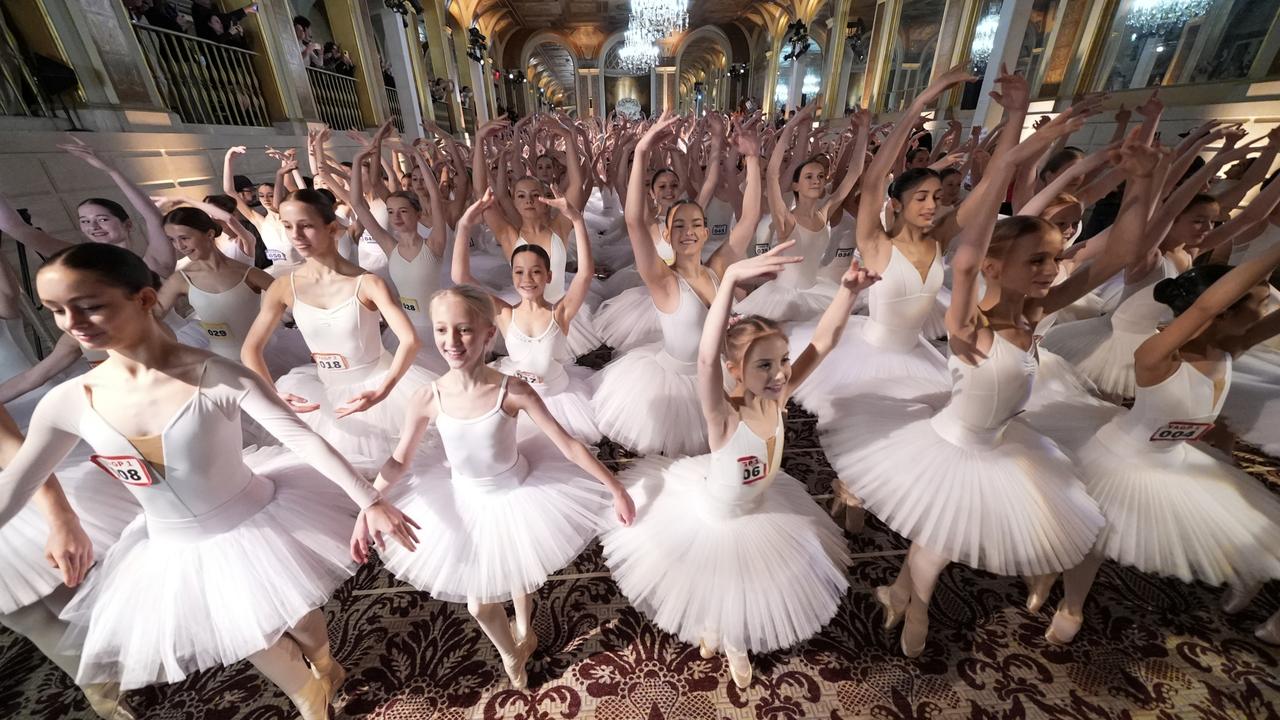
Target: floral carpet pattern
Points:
(1150, 648)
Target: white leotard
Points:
(276, 241)
(416, 281)
(682, 328)
(539, 360)
(985, 397)
(343, 337)
(742, 470)
(900, 303)
(225, 316)
(1185, 396)
(559, 258)
(230, 247)
(480, 448)
(719, 219)
(810, 245)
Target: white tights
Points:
(493, 621)
(283, 663)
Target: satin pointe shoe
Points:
(312, 701)
(107, 702)
(892, 614)
(740, 670)
(1062, 630)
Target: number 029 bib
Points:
(125, 468)
(218, 331)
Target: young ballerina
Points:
(164, 419)
(660, 380)
(696, 562)
(356, 392)
(503, 515)
(1172, 508)
(47, 549)
(224, 294)
(275, 238)
(536, 330)
(798, 293)
(937, 468)
(414, 262)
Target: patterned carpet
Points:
(1149, 648)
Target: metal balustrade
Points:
(336, 99)
(202, 81)
(393, 102)
(19, 92)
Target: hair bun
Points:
(1181, 292)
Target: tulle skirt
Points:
(166, 602)
(104, 507)
(1015, 507)
(1181, 512)
(486, 540)
(1252, 408)
(761, 581)
(785, 303)
(1102, 354)
(647, 402)
(629, 319)
(371, 434)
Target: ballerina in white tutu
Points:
(275, 239)
(503, 515)
(960, 475)
(164, 420)
(535, 330)
(693, 562)
(414, 262)
(798, 293)
(355, 393)
(1172, 508)
(659, 381)
(224, 294)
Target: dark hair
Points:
(193, 218)
(301, 21)
(1181, 292)
(318, 202)
(948, 172)
(225, 203)
(1060, 160)
(653, 179)
(671, 211)
(1199, 199)
(408, 197)
(535, 251)
(912, 153)
(909, 180)
(109, 264)
(819, 159)
(333, 199)
(112, 207)
(242, 183)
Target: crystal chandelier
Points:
(660, 17)
(984, 38)
(1155, 17)
(639, 53)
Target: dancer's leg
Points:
(283, 664)
(1076, 584)
(926, 565)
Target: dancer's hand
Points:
(78, 148)
(857, 278)
(360, 403)
(378, 521)
(69, 550)
(623, 506)
(476, 209)
(562, 205)
(299, 404)
(765, 265)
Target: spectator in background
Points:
(312, 53)
(387, 78)
(248, 192)
(338, 60)
(222, 28)
(156, 13)
(465, 97)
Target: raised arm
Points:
(437, 240)
(576, 295)
(651, 267)
(832, 323)
(1255, 212)
(853, 168)
(742, 233)
(360, 206)
(1258, 171)
(783, 221)
(711, 178)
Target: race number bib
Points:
(125, 468)
(762, 248)
(844, 252)
(720, 230)
(528, 377)
(216, 331)
(752, 469)
(275, 256)
(1178, 431)
(410, 304)
(330, 361)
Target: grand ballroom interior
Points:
(166, 94)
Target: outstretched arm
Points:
(832, 323)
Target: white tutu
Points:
(568, 401)
(1252, 408)
(647, 402)
(171, 598)
(855, 365)
(761, 581)
(1181, 512)
(371, 434)
(629, 320)
(1014, 508)
(487, 539)
(105, 508)
(785, 303)
(622, 280)
(1101, 353)
(1064, 404)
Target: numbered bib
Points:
(528, 377)
(751, 468)
(275, 256)
(94, 363)
(721, 229)
(410, 304)
(1179, 431)
(330, 361)
(217, 331)
(844, 252)
(762, 248)
(125, 468)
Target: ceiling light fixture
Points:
(1156, 17)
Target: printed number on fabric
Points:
(1179, 431)
(528, 377)
(330, 361)
(275, 256)
(125, 468)
(410, 304)
(720, 230)
(762, 248)
(844, 252)
(219, 331)
(752, 468)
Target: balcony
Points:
(336, 99)
(393, 102)
(202, 81)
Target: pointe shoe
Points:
(525, 644)
(1237, 598)
(1038, 590)
(1062, 630)
(516, 671)
(1269, 631)
(892, 615)
(740, 670)
(312, 701)
(913, 652)
(913, 639)
(705, 651)
(855, 519)
(106, 702)
(330, 672)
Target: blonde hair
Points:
(1060, 201)
(479, 304)
(745, 330)
(1012, 229)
